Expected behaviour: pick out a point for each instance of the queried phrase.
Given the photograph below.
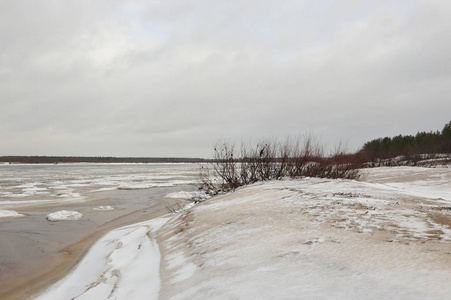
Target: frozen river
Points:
(23, 185)
(105, 195)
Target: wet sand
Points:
(35, 253)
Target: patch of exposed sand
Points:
(318, 238)
(315, 237)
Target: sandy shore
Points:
(319, 238)
(35, 253)
(384, 238)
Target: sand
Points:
(34, 252)
(384, 239)
(311, 238)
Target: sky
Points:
(171, 78)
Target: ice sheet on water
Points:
(74, 182)
(104, 189)
(21, 203)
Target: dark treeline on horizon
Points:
(97, 159)
(421, 143)
(387, 147)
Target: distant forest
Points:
(71, 159)
(410, 145)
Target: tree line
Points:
(410, 145)
(95, 159)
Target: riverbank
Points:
(385, 237)
(35, 253)
(107, 195)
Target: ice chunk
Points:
(103, 208)
(9, 214)
(64, 215)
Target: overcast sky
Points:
(170, 78)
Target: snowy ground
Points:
(388, 236)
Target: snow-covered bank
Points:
(124, 264)
(427, 182)
(195, 196)
(304, 239)
(310, 239)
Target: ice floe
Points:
(64, 215)
(9, 214)
(106, 207)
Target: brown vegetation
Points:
(270, 159)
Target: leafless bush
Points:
(269, 159)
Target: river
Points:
(35, 252)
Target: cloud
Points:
(165, 78)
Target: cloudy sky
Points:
(170, 78)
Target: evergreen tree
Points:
(407, 145)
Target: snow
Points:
(34, 185)
(107, 207)
(311, 238)
(104, 189)
(141, 186)
(423, 182)
(124, 264)
(64, 215)
(9, 214)
(188, 195)
(18, 203)
(66, 198)
(27, 191)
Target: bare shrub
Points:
(208, 181)
(175, 207)
(268, 159)
(225, 167)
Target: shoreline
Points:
(315, 237)
(64, 260)
(36, 159)
(61, 266)
(45, 262)
(373, 231)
